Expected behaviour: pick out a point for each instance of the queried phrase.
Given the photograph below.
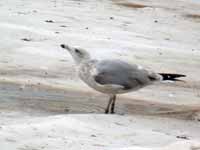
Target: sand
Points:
(43, 103)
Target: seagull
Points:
(113, 76)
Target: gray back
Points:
(121, 73)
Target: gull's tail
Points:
(172, 76)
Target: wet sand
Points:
(44, 100)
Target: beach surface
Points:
(45, 106)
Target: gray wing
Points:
(121, 73)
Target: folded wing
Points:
(121, 73)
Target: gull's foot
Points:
(106, 111)
(112, 112)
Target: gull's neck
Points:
(80, 60)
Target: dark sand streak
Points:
(44, 100)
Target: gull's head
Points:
(78, 54)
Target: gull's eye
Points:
(77, 51)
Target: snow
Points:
(38, 83)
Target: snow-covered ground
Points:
(43, 103)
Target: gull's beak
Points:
(62, 45)
(65, 47)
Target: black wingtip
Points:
(172, 76)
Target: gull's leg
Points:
(113, 105)
(108, 106)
